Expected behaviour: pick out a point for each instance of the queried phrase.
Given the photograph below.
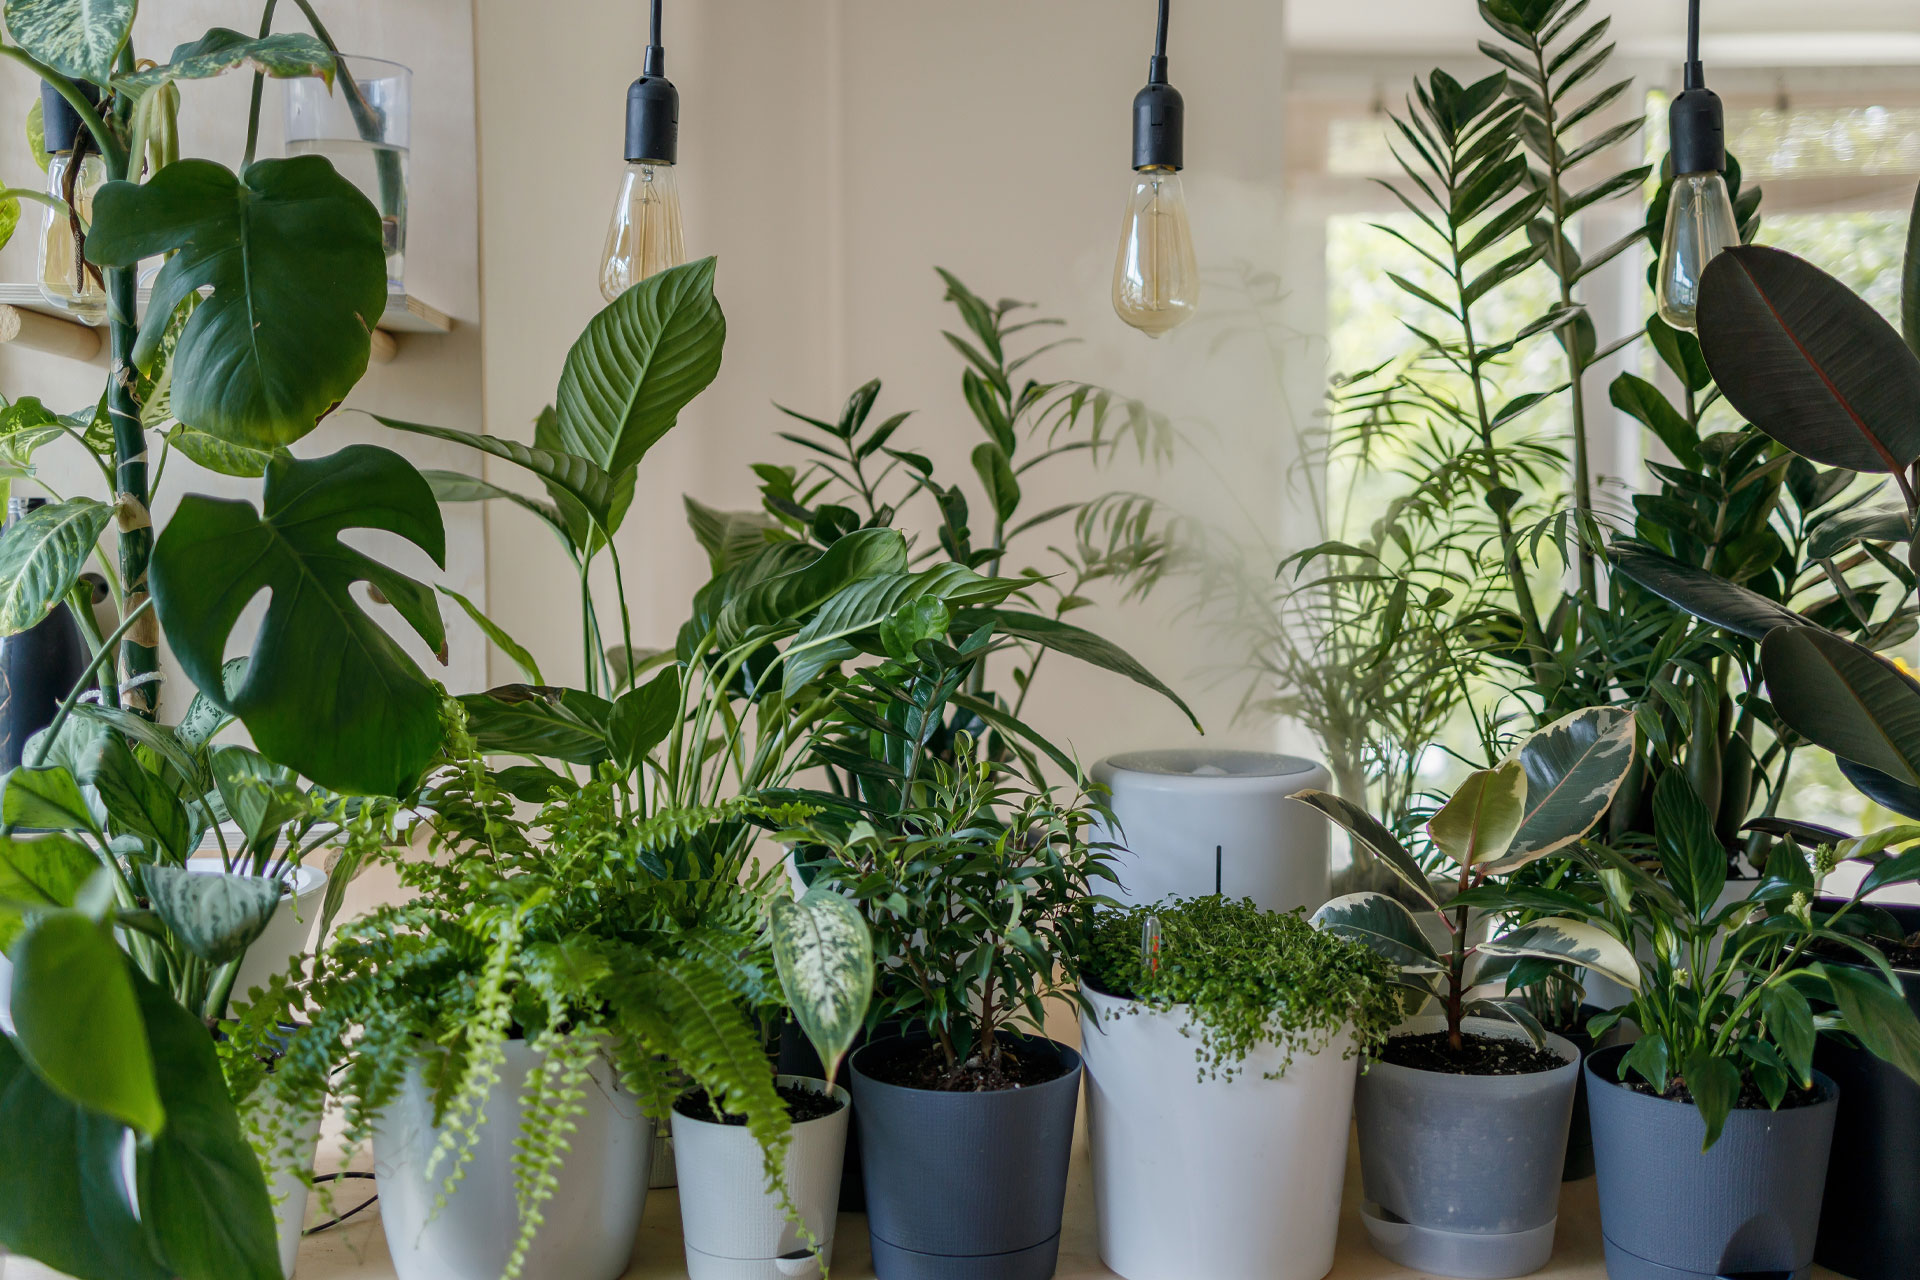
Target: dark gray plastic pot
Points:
(965, 1186)
(1462, 1173)
(1670, 1211)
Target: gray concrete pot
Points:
(965, 1186)
(1462, 1173)
(1670, 1211)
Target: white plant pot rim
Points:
(305, 879)
(813, 1084)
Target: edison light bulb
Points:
(644, 236)
(1156, 279)
(1700, 224)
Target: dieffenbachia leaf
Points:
(78, 38)
(216, 916)
(42, 554)
(285, 55)
(824, 955)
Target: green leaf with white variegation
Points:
(284, 56)
(1575, 766)
(1379, 841)
(78, 38)
(48, 799)
(1510, 1011)
(1478, 824)
(216, 916)
(205, 717)
(225, 457)
(39, 873)
(42, 555)
(1384, 925)
(824, 955)
(1574, 941)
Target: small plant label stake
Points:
(1150, 940)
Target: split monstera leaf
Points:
(1538, 802)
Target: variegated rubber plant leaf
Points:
(1574, 768)
(1575, 942)
(1477, 826)
(824, 955)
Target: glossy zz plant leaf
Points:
(78, 38)
(1478, 824)
(824, 955)
(296, 260)
(1383, 925)
(640, 361)
(1574, 941)
(326, 691)
(77, 1021)
(1705, 595)
(1809, 362)
(1372, 834)
(1845, 698)
(1574, 768)
(42, 554)
(217, 917)
(1841, 530)
(222, 50)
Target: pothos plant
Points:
(562, 927)
(1540, 801)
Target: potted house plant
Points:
(975, 889)
(734, 1228)
(1216, 1034)
(1463, 1117)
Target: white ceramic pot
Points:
(1195, 822)
(286, 1147)
(735, 1228)
(590, 1222)
(288, 934)
(1230, 1180)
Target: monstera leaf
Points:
(78, 38)
(222, 50)
(326, 690)
(297, 263)
(640, 361)
(1809, 362)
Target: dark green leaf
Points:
(494, 632)
(1715, 1086)
(1075, 642)
(576, 479)
(1701, 593)
(1643, 401)
(1846, 698)
(642, 718)
(1877, 1014)
(1694, 862)
(531, 720)
(996, 477)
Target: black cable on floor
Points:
(334, 1222)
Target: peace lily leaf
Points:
(37, 873)
(200, 1184)
(1384, 925)
(66, 1161)
(42, 555)
(586, 531)
(824, 955)
(260, 796)
(1379, 841)
(1076, 642)
(456, 486)
(78, 38)
(578, 479)
(1877, 1014)
(222, 50)
(730, 537)
(639, 362)
(1692, 858)
(77, 1022)
(643, 717)
(216, 916)
(1574, 767)
(1576, 942)
(1715, 1085)
(1809, 362)
(329, 693)
(296, 259)
(1704, 595)
(1479, 823)
(1846, 698)
(48, 798)
(866, 604)
(494, 632)
(785, 598)
(537, 720)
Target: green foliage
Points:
(222, 50)
(1248, 977)
(42, 554)
(78, 38)
(825, 959)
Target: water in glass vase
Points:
(380, 171)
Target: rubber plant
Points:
(258, 324)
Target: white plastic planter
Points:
(590, 1223)
(735, 1229)
(288, 934)
(1230, 1180)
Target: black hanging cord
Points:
(330, 1223)
(1157, 68)
(656, 24)
(656, 61)
(1158, 113)
(1696, 74)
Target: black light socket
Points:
(1696, 128)
(1159, 122)
(59, 122)
(653, 114)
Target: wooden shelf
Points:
(26, 319)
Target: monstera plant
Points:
(259, 322)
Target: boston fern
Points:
(1247, 977)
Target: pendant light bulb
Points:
(1701, 223)
(644, 236)
(1156, 278)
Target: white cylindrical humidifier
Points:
(1194, 822)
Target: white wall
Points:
(434, 378)
(832, 153)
